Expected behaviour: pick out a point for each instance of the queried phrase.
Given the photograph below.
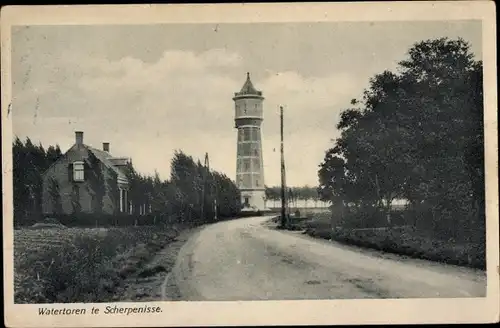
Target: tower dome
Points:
(248, 88)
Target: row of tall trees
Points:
(293, 194)
(29, 162)
(416, 134)
(192, 194)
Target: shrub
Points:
(401, 240)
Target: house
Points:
(86, 180)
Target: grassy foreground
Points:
(402, 241)
(81, 264)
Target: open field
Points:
(84, 265)
(402, 240)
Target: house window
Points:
(78, 171)
(121, 200)
(125, 200)
(125, 205)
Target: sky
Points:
(150, 90)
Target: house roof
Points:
(102, 156)
(248, 88)
(119, 161)
(105, 158)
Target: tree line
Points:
(191, 195)
(29, 161)
(416, 134)
(294, 194)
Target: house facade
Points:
(86, 180)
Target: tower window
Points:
(247, 134)
(257, 183)
(255, 134)
(245, 149)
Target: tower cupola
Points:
(248, 89)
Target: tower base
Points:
(253, 200)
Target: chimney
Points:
(79, 137)
(105, 146)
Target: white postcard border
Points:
(311, 312)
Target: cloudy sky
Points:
(149, 90)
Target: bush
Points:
(405, 240)
(404, 243)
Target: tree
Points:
(430, 113)
(29, 163)
(188, 178)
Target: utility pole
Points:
(204, 179)
(215, 191)
(215, 201)
(283, 177)
(211, 188)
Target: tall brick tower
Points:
(249, 165)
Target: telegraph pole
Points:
(283, 177)
(211, 188)
(215, 200)
(214, 190)
(204, 178)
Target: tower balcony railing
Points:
(249, 141)
(256, 93)
(248, 172)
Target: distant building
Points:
(249, 168)
(86, 180)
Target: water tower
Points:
(249, 164)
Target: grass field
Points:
(81, 264)
(399, 240)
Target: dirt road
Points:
(246, 260)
